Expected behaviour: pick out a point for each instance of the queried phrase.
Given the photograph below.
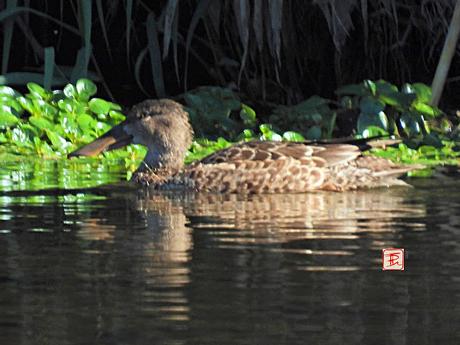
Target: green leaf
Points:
(70, 91)
(426, 109)
(86, 122)
(38, 92)
(366, 120)
(11, 102)
(373, 131)
(384, 87)
(66, 105)
(248, 115)
(85, 89)
(370, 85)
(20, 137)
(423, 92)
(26, 104)
(7, 118)
(265, 129)
(40, 122)
(246, 135)
(58, 142)
(99, 106)
(398, 99)
(293, 136)
(371, 106)
(8, 91)
(409, 124)
(116, 116)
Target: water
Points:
(117, 265)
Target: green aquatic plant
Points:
(314, 118)
(385, 109)
(50, 124)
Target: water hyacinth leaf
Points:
(40, 122)
(102, 127)
(314, 133)
(374, 131)
(85, 89)
(11, 102)
(66, 105)
(38, 92)
(409, 124)
(366, 120)
(116, 116)
(384, 87)
(70, 91)
(222, 143)
(86, 122)
(248, 115)
(99, 106)
(30, 130)
(7, 118)
(265, 129)
(293, 136)
(398, 99)
(370, 85)
(407, 88)
(8, 91)
(26, 104)
(20, 138)
(423, 92)
(426, 109)
(68, 124)
(58, 142)
(371, 106)
(247, 135)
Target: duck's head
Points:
(160, 125)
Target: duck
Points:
(163, 127)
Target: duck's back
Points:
(279, 167)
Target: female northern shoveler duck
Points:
(252, 167)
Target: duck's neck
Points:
(163, 159)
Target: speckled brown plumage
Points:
(250, 167)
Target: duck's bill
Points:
(113, 139)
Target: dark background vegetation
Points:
(272, 52)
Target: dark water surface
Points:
(114, 265)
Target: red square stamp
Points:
(393, 259)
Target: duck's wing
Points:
(267, 167)
(316, 155)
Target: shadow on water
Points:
(118, 265)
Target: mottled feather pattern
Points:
(163, 126)
(277, 167)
